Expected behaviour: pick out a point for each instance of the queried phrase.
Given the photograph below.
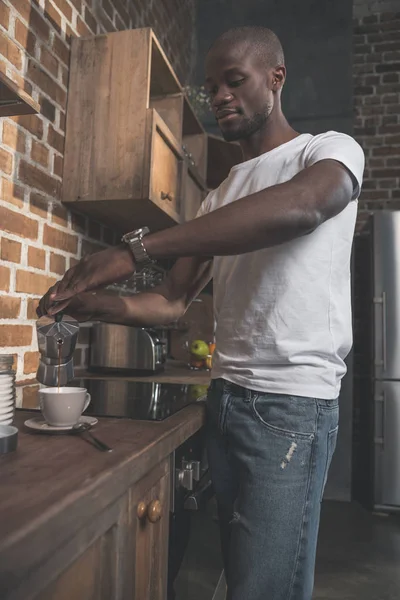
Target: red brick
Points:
(4, 278)
(383, 173)
(53, 16)
(47, 108)
(105, 22)
(15, 335)
(17, 223)
(40, 153)
(64, 8)
(90, 20)
(38, 179)
(58, 165)
(59, 215)
(64, 78)
(13, 137)
(108, 8)
(4, 15)
(31, 123)
(55, 139)
(12, 193)
(30, 397)
(33, 283)
(9, 50)
(31, 360)
(39, 205)
(49, 61)
(33, 303)
(10, 250)
(25, 37)
(61, 50)
(57, 263)
(36, 257)
(6, 161)
(82, 29)
(60, 239)
(10, 307)
(39, 24)
(46, 83)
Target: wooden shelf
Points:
(14, 100)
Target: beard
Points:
(248, 126)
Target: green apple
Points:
(199, 349)
(197, 391)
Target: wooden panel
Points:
(193, 195)
(82, 581)
(14, 100)
(106, 116)
(163, 78)
(197, 145)
(166, 164)
(170, 109)
(151, 539)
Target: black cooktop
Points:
(146, 401)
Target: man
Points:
(276, 236)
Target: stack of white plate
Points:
(7, 399)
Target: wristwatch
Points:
(134, 241)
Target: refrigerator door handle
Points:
(381, 440)
(382, 301)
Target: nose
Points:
(222, 97)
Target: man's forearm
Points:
(263, 219)
(147, 309)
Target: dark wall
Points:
(317, 39)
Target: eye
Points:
(237, 82)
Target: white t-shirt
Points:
(283, 314)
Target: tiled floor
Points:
(358, 557)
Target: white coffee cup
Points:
(62, 407)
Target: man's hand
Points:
(92, 306)
(91, 273)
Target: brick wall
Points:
(377, 108)
(39, 238)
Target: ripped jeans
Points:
(269, 457)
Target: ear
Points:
(278, 78)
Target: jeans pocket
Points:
(288, 416)
(331, 445)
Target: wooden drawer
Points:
(166, 167)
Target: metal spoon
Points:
(85, 428)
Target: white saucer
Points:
(39, 424)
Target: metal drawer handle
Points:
(165, 196)
(382, 301)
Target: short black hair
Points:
(263, 41)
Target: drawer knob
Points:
(141, 510)
(165, 196)
(154, 511)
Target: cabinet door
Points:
(193, 195)
(149, 506)
(166, 167)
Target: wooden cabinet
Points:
(123, 114)
(123, 553)
(135, 152)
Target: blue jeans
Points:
(269, 456)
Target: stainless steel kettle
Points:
(56, 340)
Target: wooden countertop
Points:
(51, 483)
